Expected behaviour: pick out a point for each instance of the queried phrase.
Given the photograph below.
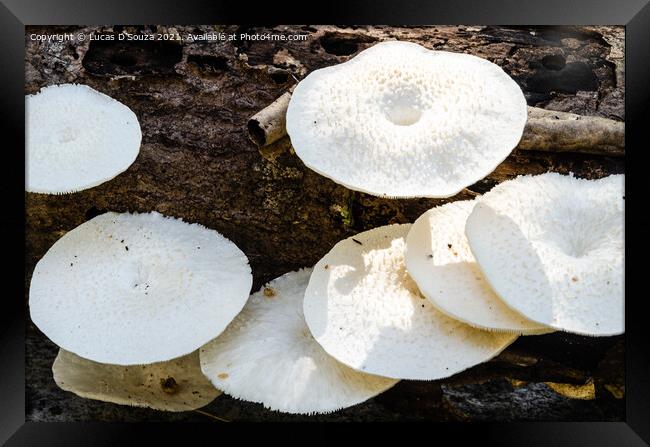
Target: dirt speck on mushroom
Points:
(169, 385)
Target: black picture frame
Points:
(15, 14)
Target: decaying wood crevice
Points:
(546, 130)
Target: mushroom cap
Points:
(551, 246)
(131, 289)
(175, 385)
(267, 355)
(77, 138)
(439, 260)
(400, 120)
(365, 310)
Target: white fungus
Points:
(440, 261)
(267, 355)
(175, 385)
(131, 289)
(552, 246)
(400, 120)
(365, 310)
(77, 138)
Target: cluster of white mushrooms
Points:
(129, 299)
(152, 311)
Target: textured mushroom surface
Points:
(77, 138)
(268, 355)
(138, 288)
(175, 385)
(552, 247)
(440, 261)
(366, 311)
(400, 120)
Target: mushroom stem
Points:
(546, 130)
(268, 125)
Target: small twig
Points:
(545, 130)
(469, 192)
(211, 416)
(118, 77)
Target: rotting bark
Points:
(197, 163)
(548, 130)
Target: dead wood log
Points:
(268, 125)
(546, 130)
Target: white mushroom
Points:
(131, 289)
(552, 246)
(77, 138)
(440, 261)
(400, 120)
(175, 385)
(267, 355)
(365, 310)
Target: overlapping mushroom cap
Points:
(365, 310)
(77, 138)
(174, 385)
(400, 120)
(551, 246)
(138, 288)
(440, 261)
(268, 355)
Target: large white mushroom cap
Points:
(365, 310)
(268, 355)
(440, 261)
(131, 289)
(400, 120)
(552, 247)
(77, 138)
(175, 385)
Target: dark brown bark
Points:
(194, 100)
